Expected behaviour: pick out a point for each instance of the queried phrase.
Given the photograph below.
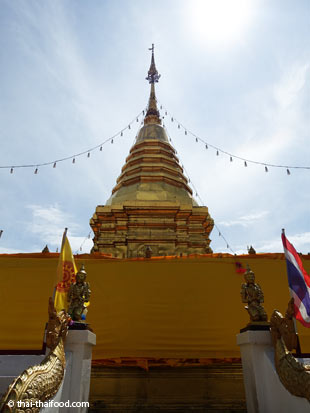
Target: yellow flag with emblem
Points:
(66, 271)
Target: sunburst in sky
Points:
(221, 23)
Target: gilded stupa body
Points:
(151, 204)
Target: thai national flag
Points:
(299, 282)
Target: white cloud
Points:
(4, 250)
(48, 224)
(300, 241)
(245, 220)
(288, 89)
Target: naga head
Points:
(57, 325)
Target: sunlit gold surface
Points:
(151, 204)
(152, 172)
(152, 131)
(152, 115)
(169, 228)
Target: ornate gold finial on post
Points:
(78, 295)
(152, 114)
(252, 294)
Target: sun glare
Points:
(219, 22)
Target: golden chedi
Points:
(151, 204)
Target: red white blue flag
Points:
(299, 282)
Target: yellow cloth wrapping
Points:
(167, 308)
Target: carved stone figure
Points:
(148, 252)
(252, 294)
(78, 295)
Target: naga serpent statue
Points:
(294, 375)
(40, 382)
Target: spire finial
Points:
(152, 75)
(152, 114)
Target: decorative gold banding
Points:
(159, 178)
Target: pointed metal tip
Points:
(152, 75)
(283, 231)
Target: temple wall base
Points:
(214, 388)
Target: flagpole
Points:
(61, 248)
(63, 238)
(298, 348)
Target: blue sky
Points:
(72, 74)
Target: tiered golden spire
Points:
(152, 203)
(152, 114)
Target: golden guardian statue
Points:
(78, 296)
(252, 294)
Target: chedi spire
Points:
(152, 114)
(151, 206)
